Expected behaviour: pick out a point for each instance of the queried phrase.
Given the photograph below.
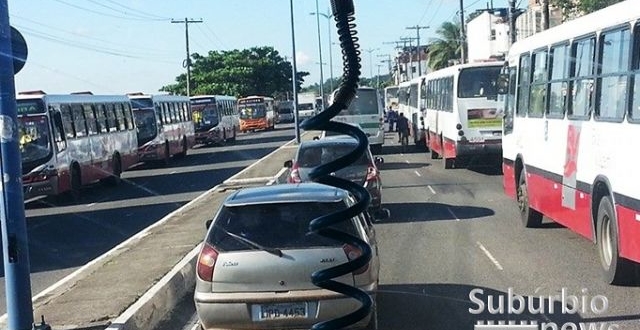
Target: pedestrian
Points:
(391, 119)
(403, 127)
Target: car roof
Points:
(286, 193)
(330, 141)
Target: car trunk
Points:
(354, 173)
(260, 271)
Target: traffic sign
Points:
(19, 47)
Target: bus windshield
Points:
(146, 124)
(365, 103)
(34, 139)
(141, 103)
(252, 111)
(205, 117)
(479, 82)
(305, 106)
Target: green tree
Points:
(582, 7)
(445, 48)
(254, 71)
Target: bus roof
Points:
(74, 98)
(613, 15)
(217, 97)
(160, 98)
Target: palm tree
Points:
(445, 48)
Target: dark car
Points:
(313, 153)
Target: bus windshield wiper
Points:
(274, 251)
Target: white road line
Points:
(416, 172)
(452, 214)
(489, 255)
(173, 172)
(407, 161)
(432, 190)
(90, 205)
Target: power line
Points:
(207, 36)
(426, 9)
(215, 35)
(435, 13)
(103, 13)
(120, 11)
(136, 10)
(187, 63)
(151, 50)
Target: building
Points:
(488, 35)
(407, 62)
(530, 22)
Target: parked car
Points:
(253, 271)
(364, 171)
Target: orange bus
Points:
(256, 112)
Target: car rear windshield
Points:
(283, 226)
(312, 156)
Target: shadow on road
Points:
(450, 306)
(402, 166)
(421, 212)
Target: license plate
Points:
(282, 311)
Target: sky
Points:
(121, 46)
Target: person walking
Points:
(403, 128)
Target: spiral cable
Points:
(343, 12)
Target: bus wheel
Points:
(76, 184)
(185, 148)
(115, 178)
(449, 163)
(530, 217)
(616, 270)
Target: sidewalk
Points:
(94, 296)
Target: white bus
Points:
(215, 118)
(391, 98)
(463, 118)
(412, 97)
(67, 141)
(165, 126)
(366, 110)
(572, 114)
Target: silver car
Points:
(254, 269)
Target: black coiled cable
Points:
(343, 11)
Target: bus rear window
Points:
(479, 82)
(365, 103)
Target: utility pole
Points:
(294, 75)
(418, 28)
(387, 60)
(320, 53)
(410, 41)
(370, 51)
(187, 62)
(397, 59)
(463, 36)
(512, 21)
(545, 14)
(378, 77)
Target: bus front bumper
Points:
(42, 188)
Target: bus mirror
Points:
(503, 84)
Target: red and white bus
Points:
(572, 113)
(256, 112)
(461, 112)
(165, 126)
(67, 141)
(215, 118)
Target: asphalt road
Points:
(453, 234)
(64, 237)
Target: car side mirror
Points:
(288, 164)
(379, 160)
(208, 223)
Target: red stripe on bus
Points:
(449, 148)
(545, 195)
(629, 233)
(509, 180)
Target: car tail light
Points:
(206, 262)
(372, 173)
(294, 177)
(352, 253)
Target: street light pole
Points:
(328, 16)
(320, 54)
(370, 51)
(294, 75)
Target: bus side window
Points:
(79, 123)
(523, 85)
(128, 116)
(58, 129)
(583, 51)
(67, 121)
(101, 117)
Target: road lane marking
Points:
(416, 172)
(490, 256)
(431, 189)
(407, 161)
(90, 205)
(452, 214)
(173, 172)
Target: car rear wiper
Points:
(274, 251)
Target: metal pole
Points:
(329, 15)
(187, 63)
(512, 21)
(15, 247)
(418, 28)
(320, 54)
(463, 54)
(294, 75)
